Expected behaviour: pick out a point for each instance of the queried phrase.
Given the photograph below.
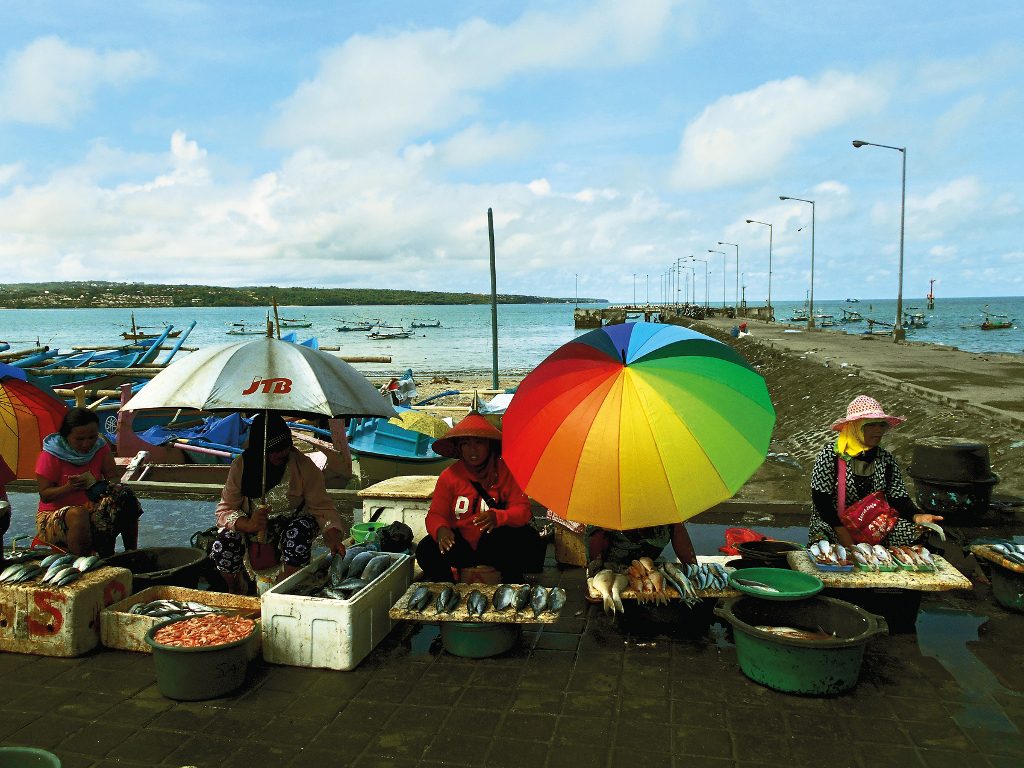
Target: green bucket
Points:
(195, 674)
(824, 666)
(27, 757)
(363, 532)
(478, 640)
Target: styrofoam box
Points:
(305, 631)
(411, 512)
(59, 621)
(127, 631)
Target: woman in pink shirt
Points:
(81, 508)
(478, 514)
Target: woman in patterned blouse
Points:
(869, 468)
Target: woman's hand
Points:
(924, 517)
(255, 523)
(486, 520)
(844, 536)
(445, 539)
(332, 537)
(77, 482)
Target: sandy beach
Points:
(812, 375)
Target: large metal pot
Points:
(828, 665)
(950, 460)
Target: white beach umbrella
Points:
(263, 374)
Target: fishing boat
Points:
(243, 329)
(300, 322)
(853, 301)
(851, 316)
(825, 321)
(138, 332)
(383, 450)
(354, 325)
(389, 334)
(914, 320)
(425, 323)
(995, 322)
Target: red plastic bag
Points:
(869, 520)
(734, 536)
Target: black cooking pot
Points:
(951, 460)
(768, 553)
(161, 566)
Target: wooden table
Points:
(400, 610)
(629, 594)
(945, 577)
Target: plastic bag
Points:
(870, 519)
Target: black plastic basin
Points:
(163, 566)
(950, 460)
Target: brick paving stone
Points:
(427, 692)
(375, 761)
(941, 758)
(43, 699)
(325, 758)
(12, 720)
(587, 704)
(336, 737)
(546, 702)
(89, 707)
(630, 758)
(580, 755)
(503, 677)
(763, 719)
(293, 679)
(90, 680)
(321, 709)
(72, 760)
(14, 664)
(155, 745)
(702, 742)
(338, 685)
(93, 738)
(202, 750)
(403, 742)
(494, 699)
(239, 723)
(699, 714)
(998, 743)
(382, 691)
(872, 756)
(558, 641)
(48, 731)
(416, 715)
(136, 711)
(927, 736)
(685, 761)
(1002, 761)
(585, 681)
(752, 746)
(525, 727)
(289, 731)
(509, 753)
(359, 717)
(882, 731)
(459, 748)
(643, 736)
(633, 708)
(573, 731)
(257, 754)
(545, 678)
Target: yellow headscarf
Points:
(850, 442)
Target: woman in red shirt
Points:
(478, 515)
(81, 508)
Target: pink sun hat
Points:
(864, 407)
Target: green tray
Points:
(792, 585)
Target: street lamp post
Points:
(648, 279)
(771, 314)
(705, 263)
(810, 309)
(737, 274)
(678, 286)
(634, 289)
(898, 332)
(724, 269)
(577, 300)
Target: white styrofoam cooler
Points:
(306, 631)
(405, 498)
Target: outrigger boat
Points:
(354, 325)
(851, 316)
(425, 324)
(242, 329)
(995, 322)
(914, 320)
(286, 322)
(387, 333)
(825, 321)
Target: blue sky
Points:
(360, 144)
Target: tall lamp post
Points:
(737, 274)
(898, 333)
(810, 309)
(771, 314)
(724, 269)
(648, 279)
(577, 276)
(678, 286)
(634, 289)
(705, 263)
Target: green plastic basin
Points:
(362, 532)
(791, 585)
(195, 674)
(27, 757)
(824, 666)
(478, 640)
(1008, 588)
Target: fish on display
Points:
(476, 603)
(538, 600)
(751, 584)
(446, 600)
(503, 598)
(344, 590)
(172, 608)
(522, 598)
(620, 583)
(358, 563)
(420, 599)
(556, 599)
(602, 582)
(376, 566)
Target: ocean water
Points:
(527, 333)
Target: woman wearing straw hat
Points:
(478, 514)
(869, 468)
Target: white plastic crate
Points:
(305, 631)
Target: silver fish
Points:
(358, 563)
(756, 585)
(476, 603)
(377, 565)
(522, 597)
(9, 571)
(556, 599)
(28, 572)
(87, 564)
(538, 600)
(72, 576)
(420, 598)
(441, 605)
(504, 597)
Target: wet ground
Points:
(658, 687)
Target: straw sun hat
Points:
(864, 407)
(473, 425)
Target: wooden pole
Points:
(15, 354)
(494, 303)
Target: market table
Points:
(944, 577)
(405, 498)
(671, 593)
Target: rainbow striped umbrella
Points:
(637, 424)
(27, 415)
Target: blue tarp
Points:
(229, 431)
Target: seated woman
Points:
(478, 515)
(612, 549)
(294, 510)
(869, 468)
(81, 509)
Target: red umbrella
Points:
(27, 415)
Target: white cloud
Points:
(433, 78)
(746, 136)
(476, 146)
(9, 172)
(50, 82)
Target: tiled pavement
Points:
(581, 692)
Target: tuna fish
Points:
(476, 603)
(376, 566)
(446, 601)
(538, 600)
(522, 597)
(556, 599)
(420, 599)
(504, 597)
(358, 562)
